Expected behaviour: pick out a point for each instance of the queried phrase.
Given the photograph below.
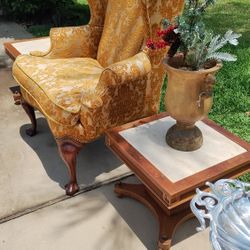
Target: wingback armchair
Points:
(97, 76)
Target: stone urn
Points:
(188, 99)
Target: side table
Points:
(25, 46)
(169, 177)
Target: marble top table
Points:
(169, 177)
(25, 46)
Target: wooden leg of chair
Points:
(31, 113)
(18, 99)
(68, 150)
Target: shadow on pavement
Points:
(93, 160)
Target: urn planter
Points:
(188, 99)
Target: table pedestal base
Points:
(167, 223)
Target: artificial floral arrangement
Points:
(187, 35)
(194, 58)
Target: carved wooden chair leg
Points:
(68, 150)
(31, 113)
(18, 99)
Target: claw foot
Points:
(164, 243)
(119, 195)
(71, 188)
(117, 188)
(30, 132)
(17, 98)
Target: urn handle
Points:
(207, 91)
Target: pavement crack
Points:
(63, 198)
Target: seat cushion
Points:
(57, 83)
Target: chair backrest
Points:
(128, 24)
(97, 11)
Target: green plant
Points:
(232, 95)
(203, 50)
(54, 12)
(20, 9)
(188, 35)
(39, 30)
(197, 44)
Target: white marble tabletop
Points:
(149, 140)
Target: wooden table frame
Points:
(12, 52)
(169, 200)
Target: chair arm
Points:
(131, 69)
(78, 41)
(119, 95)
(91, 101)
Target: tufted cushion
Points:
(57, 85)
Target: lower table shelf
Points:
(167, 223)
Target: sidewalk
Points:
(10, 31)
(35, 213)
(92, 221)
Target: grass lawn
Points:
(231, 107)
(82, 1)
(75, 12)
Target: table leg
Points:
(167, 223)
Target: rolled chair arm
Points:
(78, 41)
(131, 69)
(91, 101)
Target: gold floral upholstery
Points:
(68, 42)
(95, 77)
(58, 85)
(124, 29)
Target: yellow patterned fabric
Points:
(68, 42)
(98, 12)
(154, 80)
(71, 42)
(122, 90)
(59, 83)
(78, 41)
(123, 32)
(128, 24)
(117, 100)
(82, 97)
(157, 9)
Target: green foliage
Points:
(21, 9)
(190, 24)
(218, 42)
(56, 12)
(39, 30)
(245, 178)
(195, 54)
(82, 2)
(231, 105)
(197, 44)
(232, 90)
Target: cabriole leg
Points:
(68, 150)
(18, 99)
(31, 113)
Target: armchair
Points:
(95, 77)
